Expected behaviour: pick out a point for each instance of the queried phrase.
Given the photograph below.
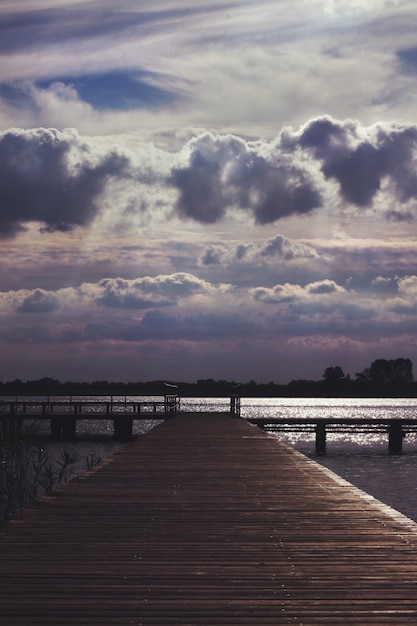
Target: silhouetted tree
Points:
(387, 372)
(333, 375)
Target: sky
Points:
(203, 189)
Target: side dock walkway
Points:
(207, 520)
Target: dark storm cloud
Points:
(60, 180)
(276, 181)
(202, 194)
(360, 158)
(38, 182)
(224, 172)
(273, 190)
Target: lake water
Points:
(361, 459)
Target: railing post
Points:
(321, 438)
(395, 437)
(235, 405)
(171, 403)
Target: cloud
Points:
(46, 178)
(185, 312)
(360, 159)
(223, 172)
(140, 293)
(25, 27)
(382, 285)
(324, 287)
(277, 294)
(199, 327)
(38, 302)
(290, 292)
(201, 193)
(147, 292)
(278, 247)
(408, 286)
(61, 180)
(272, 180)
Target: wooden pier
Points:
(64, 414)
(207, 520)
(396, 429)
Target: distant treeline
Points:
(384, 378)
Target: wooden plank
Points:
(206, 520)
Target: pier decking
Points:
(207, 520)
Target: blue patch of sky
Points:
(408, 59)
(117, 89)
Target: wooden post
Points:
(123, 428)
(63, 427)
(321, 438)
(68, 428)
(56, 428)
(395, 437)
